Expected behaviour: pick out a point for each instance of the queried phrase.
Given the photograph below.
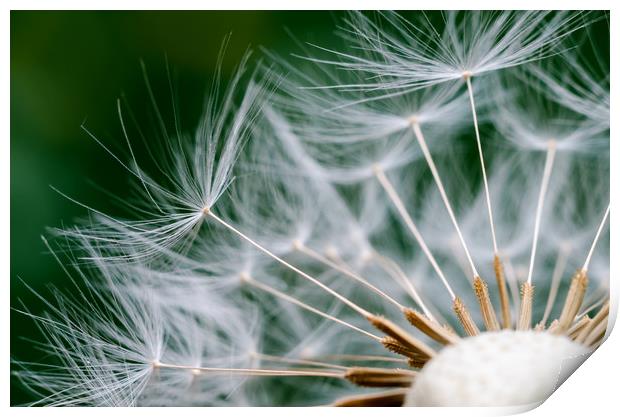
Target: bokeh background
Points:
(70, 67)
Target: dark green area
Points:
(71, 67)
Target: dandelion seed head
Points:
(193, 170)
(402, 56)
(497, 369)
(335, 237)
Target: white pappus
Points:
(389, 232)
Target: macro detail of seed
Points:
(506, 368)
(419, 218)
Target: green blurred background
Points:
(71, 67)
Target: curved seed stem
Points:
(398, 203)
(250, 371)
(482, 166)
(558, 270)
(539, 207)
(279, 294)
(596, 238)
(300, 247)
(431, 164)
(276, 258)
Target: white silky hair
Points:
(344, 116)
(192, 171)
(292, 160)
(172, 286)
(580, 86)
(403, 55)
(511, 178)
(107, 340)
(529, 120)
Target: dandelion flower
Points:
(346, 264)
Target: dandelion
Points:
(472, 44)
(344, 265)
(197, 170)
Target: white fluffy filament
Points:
(346, 271)
(393, 269)
(276, 258)
(596, 238)
(250, 371)
(558, 270)
(264, 287)
(431, 164)
(551, 148)
(281, 359)
(482, 166)
(389, 188)
(362, 358)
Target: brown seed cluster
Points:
(585, 330)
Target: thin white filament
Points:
(293, 300)
(276, 258)
(133, 157)
(595, 304)
(346, 271)
(431, 164)
(361, 358)
(558, 270)
(511, 277)
(484, 171)
(392, 268)
(250, 371)
(551, 148)
(280, 359)
(596, 238)
(387, 185)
